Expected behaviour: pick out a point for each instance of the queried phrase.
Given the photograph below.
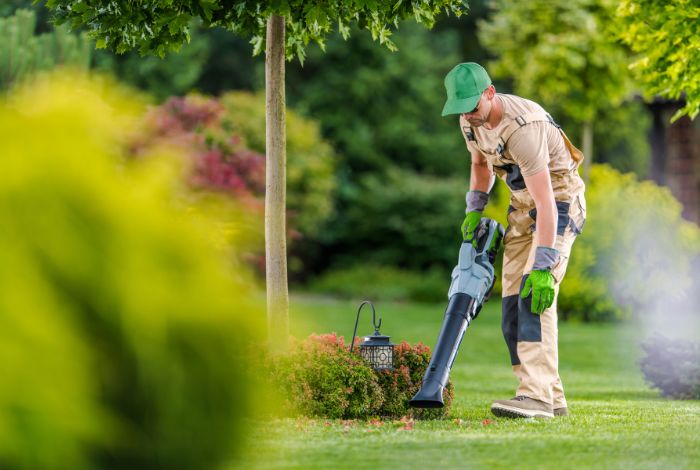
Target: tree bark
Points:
(275, 188)
(587, 148)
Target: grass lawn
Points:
(616, 420)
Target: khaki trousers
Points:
(531, 338)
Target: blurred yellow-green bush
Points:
(122, 326)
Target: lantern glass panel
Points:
(379, 357)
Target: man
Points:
(519, 142)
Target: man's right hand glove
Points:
(471, 222)
(476, 201)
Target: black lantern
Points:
(375, 349)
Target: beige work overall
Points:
(531, 338)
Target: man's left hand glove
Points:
(541, 282)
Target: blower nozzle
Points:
(472, 281)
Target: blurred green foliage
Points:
(382, 108)
(23, 53)
(635, 254)
(399, 218)
(666, 38)
(9, 7)
(123, 331)
(311, 160)
(370, 281)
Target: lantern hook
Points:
(374, 321)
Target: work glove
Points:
(541, 283)
(476, 201)
(471, 222)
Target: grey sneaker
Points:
(522, 407)
(563, 411)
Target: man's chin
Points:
(476, 123)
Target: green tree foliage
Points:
(666, 38)
(122, 328)
(165, 25)
(23, 53)
(9, 7)
(175, 74)
(561, 55)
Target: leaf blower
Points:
(472, 281)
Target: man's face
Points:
(478, 116)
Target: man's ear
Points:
(491, 92)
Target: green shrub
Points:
(122, 328)
(672, 366)
(384, 283)
(400, 219)
(320, 377)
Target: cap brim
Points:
(455, 106)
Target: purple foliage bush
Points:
(672, 366)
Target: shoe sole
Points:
(506, 411)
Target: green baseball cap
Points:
(464, 84)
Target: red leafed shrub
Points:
(320, 377)
(224, 140)
(220, 159)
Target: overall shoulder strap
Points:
(469, 133)
(523, 120)
(528, 118)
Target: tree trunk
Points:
(587, 148)
(275, 188)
